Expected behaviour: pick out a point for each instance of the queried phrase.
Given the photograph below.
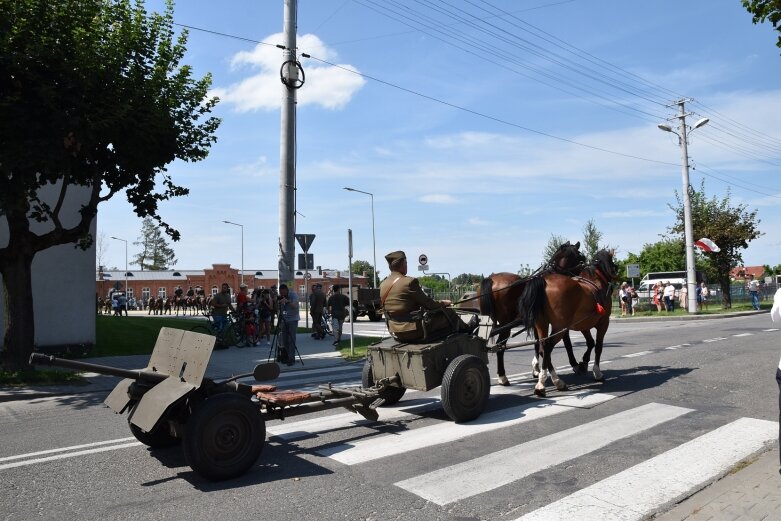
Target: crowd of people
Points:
(663, 297)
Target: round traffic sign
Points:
(307, 275)
(422, 259)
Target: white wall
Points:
(63, 281)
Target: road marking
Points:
(64, 449)
(486, 473)
(672, 348)
(639, 491)
(770, 330)
(709, 340)
(743, 334)
(68, 455)
(388, 445)
(641, 353)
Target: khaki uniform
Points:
(402, 296)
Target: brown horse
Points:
(500, 293)
(558, 303)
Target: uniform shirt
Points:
(316, 301)
(401, 296)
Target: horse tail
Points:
(532, 302)
(487, 298)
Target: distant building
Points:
(145, 284)
(742, 272)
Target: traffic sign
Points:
(305, 240)
(423, 260)
(632, 270)
(307, 275)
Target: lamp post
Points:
(242, 247)
(374, 243)
(691, 278)
(125, 241)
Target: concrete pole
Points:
(691, 278)
(287, 149)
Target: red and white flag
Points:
(707, 245)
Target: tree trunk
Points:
(16, 269)
(726, 296)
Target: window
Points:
(214, 290)
(161, 292)
(145, 292)
(302, 289)
(130, 292)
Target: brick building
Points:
(143, 284)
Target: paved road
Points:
(682, 403)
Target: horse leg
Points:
(500, 372)
(548, 364)
(542, 377)
(598, 376)
(583, 365)
(568, 346)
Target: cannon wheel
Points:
(158, 438)
(465, 388)
(373, 315)
(391, 394)
(224, 437)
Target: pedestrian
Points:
(337, 308)
(705, 295)
(634, 298)
(221, 304)
(775, 314)
(753, 291)
(658, 296)
(623, 297)
(290, 315)
(683, 297)
(265, 308)
(317, 303)
(668, 296)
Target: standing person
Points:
(337, 308)
(265, 307)
(669, 296)
(289, 313)
(221, 304)
(316, 305)
(634, 299)
(753, 291)
(683, 297)
(403, 300)
(775, 315)
(705, 295)
(658, 296)
(623, 297)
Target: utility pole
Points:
(691, 278)
(287, 145)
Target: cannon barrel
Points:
(41, 359)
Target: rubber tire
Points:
(391, 395)
(224, 436)
(373, 315)
(158, 438)
(466, 386)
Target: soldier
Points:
(404, 301)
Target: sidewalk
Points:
(223, 363)
(751, 493)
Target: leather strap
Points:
(382, 300)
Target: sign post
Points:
(305, 240)
(350, 289)
(423, 263)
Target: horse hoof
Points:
(561, 386)
(503, 380)
(540, 393)
(582, 368)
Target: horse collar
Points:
(601, 275)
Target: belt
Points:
(404, 317)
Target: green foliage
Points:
(763, 10)
(155, 254)
(362, 266)
(436, 283)
(731, 228)
(92, 95)
(552, 247)
(40, 377)
(467, 279)
(591, 240)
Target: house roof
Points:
(742, 272)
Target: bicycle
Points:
(226, 337)
(326, 323)
(246, 328)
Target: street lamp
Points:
(242, 247)
(374, 243)
(691, 278)
(125, 241)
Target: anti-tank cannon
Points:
(221, 425)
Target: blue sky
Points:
(481, 128)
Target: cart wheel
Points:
(391, 395)
(465, 388)
(373, 315)
(224, 436)
(158, 438)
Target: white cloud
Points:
(634, 213)
(438, 199)
(477, 221)
(331, 87)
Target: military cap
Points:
(395, 257)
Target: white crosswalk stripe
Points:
(383, 446)
(641, 490)
(480, 475)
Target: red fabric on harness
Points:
(600, 309)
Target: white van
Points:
(645, 290)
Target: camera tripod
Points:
(279, 344)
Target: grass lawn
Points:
(361, 343)
(119, 336)
(40, 377)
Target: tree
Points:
(765, 10)
(155, 254)
(664, 255)
(591, 240)
(552, 247)
(731, 228)
(362, 266)
(101, 248)
(92, 97)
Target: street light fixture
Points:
(242, 247)
(374, 243)
(691, 277)
(125, 241)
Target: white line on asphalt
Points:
(65, 449)
(383, 446)
(672, 348)
(770, 330)
(68, 455)
(743, 334)
(709, 340)
(644, 489)
(633, 355)
(488, 472)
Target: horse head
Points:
(567, 259)
(603, 260)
